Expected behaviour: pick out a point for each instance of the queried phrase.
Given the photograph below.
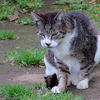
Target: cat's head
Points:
(51, 28)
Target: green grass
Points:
(11, 1)
(30, 4)
(65, 2)
(6, 34)
(20, 92)
(92, 10)
(79, 6)
(26, 21)
(26, 57)
(6, 10)
(15, 91)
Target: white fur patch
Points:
(50, 70)
(74, 67)
(83, 84)
(62, 52)
(55, 89)
(97, 55)
(46, 40)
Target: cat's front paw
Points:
(83, 84)
(55, 89)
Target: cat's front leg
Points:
(63, 73)
(63, 77)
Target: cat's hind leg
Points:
(83, 84)
(84, 80)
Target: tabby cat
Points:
(73, 47)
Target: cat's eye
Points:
(42, 34)
(54, 34)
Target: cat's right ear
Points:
(37, 19)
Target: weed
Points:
(60, 2)
(26, 21)
(20, 92)
(79, 6)
(37, 86)
(6, 34)
(30, 4)
(10, 1)
(64, 2)
(15, 91)
(6, 11)
(26, 57)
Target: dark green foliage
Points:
(6, 34)
(26, 57)
(20, 92)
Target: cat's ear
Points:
(37, 19)
(54, 80)
(59, 15)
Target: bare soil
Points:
(12, 73)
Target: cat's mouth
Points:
(50, 47)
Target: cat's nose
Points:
(48, 44)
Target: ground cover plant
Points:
(6, 10)
(9, 7)
(30, 4)
(92, 10)
(64, 2)
(29, 57)
(6, 34)
(21, 92)
(26, 21)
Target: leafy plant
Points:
(60, 2)
(30, 4)
(26, 57)
(6, 34)
(20, 92)
(10, 1)
(26, 21)
(15, 91)
(37, 85)
(79, 6)
(6, 11)
(64, 2)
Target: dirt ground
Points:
(11, 73)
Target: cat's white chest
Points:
(63, 53)
(72, 63)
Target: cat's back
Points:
(78, 15)
(82, 21)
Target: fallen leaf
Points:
(93, 1)
(13, 63)
(14, 17)
(41, 66)
(2, 62)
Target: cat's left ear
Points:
(59, 15)
(37, 19)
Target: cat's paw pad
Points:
(75, 82)
(83, 84)
(55, 89)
